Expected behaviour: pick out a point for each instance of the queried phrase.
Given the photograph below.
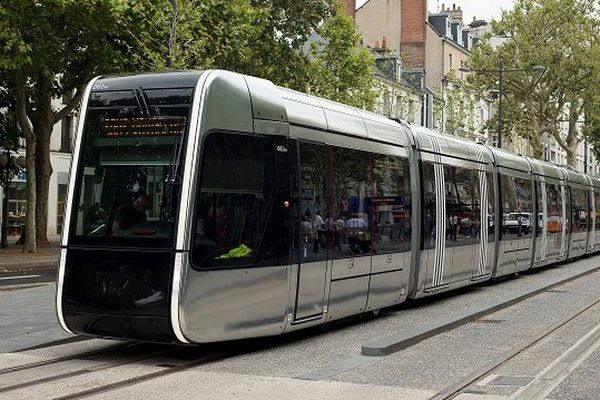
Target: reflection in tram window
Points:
(517, 207)
(579, 210)
(429, 215)
(236, 224)
(313, 203)
(597, 204)
(491, 207)
(554, 209)
(390, 204)
(462, 206)
(349, 219)
(541, 218)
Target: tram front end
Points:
(118, 247)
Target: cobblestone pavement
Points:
(295, 366)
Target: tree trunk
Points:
(42, 128)
(21, 98)
(572, 157)
(43, 172)
(30, 227)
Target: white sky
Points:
(482, 9)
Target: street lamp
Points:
(9, 167)
(500, 71)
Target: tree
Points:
(44, 58)
(272, 40)
(47, 58)
(562, 36)
(342, 71)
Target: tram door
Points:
(437, 253)
(312, 249)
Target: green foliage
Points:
(9, 133)
(459, 107)
(268, 39)
(341, 70)
(64, 41)
(563, 37)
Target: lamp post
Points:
(9, 167)
(500, 72)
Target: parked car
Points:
(519, 223)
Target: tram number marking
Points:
(282, 149)
(100, 86)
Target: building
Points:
(60, 158)
(433, 48)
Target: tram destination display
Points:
(143, 126)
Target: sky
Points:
(482, 9)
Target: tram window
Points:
(313, 202)
(554, 220)
(390, 202)
(462, 205)
(127, 191)
(429, 201)
(597, 204)
(349, 219)
(579, 210)
(475, 227)
(491, 223)
(517, 207)
(541, 218)
(236, 224)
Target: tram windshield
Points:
(127, 187)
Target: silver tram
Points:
(207, 206)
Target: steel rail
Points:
(456, 389)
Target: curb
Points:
(41, 266)
(391, 344)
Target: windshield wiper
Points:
(142, 101)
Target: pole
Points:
(585, 155)
(4, 230)
(501, 72)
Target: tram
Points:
(206, 206)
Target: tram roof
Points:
(545, 168)
(149, 80)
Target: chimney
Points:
(384, 43)
(350, 7)
(377, 44)
(413, 15)
(456, 14)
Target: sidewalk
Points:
(12, 258)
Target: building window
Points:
(17, 208)
(450, 61)
(61, 197)
(65, 135)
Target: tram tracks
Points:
(459, 387)
(117, 367)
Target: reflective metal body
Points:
(461, 229)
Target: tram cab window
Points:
(237, 223)
(127, 187)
